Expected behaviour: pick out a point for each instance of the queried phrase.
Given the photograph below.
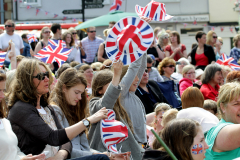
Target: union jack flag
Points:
(32, 38)
(197, 149)
(112, 132)
(115, 5)
(154, 10)
(64, 18)
(55, 16)
(2, 57)
(228, 61)
(54, 52)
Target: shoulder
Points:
(168, 47)
(22, 108)
(204, 87)
(84, 39)
(99, 39)
(183, 45)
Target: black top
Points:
(155, 155)
(208, 52)
(33, 133)
(156, 93)
(104, 53)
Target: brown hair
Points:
(41, 37)
(161, 107)
(210, 37)
(84, 67)
(100, 79)
(210, 105)
(168, 116)
(19, 58)
(106, 64)
(3, 107)
(155, 31)
(186, 130)
(22, 87)
(236, 39)
(233, 76)
(70, 78)
(64, 67)
(192, 97)
(64, 36)
(166, 61)
(175, 33)
(74, 63)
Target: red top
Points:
(209, 92)
(201, 59)
(177, 56)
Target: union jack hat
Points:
(112, 132)
(129, 39)
(154, 10)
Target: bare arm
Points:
(183, 54)
(167, 53)
(21, 50)
(12, 56)
(161, 55)
(150, 118)
(81, 49)
(100, 53)
(37, 48)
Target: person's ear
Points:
(64, 88)
(100, 91)
(223, 109)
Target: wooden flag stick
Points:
(164, 145)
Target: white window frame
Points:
(35, 4)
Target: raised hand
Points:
(101, 114)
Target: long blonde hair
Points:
(100, 79)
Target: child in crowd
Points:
(211, 106)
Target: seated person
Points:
(188, 78)
(153, 72)
(149, 93)
(211, 106)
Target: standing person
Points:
(26, 50)
(203, 54)
(163, 39)
(15, 38)
(68, 38)
(235, 51)
(156, 31)
(111, 24)
(57, 31)
(212, 40)
(211, 79)
(223, 139)
(102, 55)
(154, 49)
(88, 73)
(44, 37)
(91, 44)
(175, 50)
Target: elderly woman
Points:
(188, 78)
(163, 39)
(211, 79)
(180, 64)
(235, 51)
(33, 121)
(223, 139)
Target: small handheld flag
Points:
(228, 61)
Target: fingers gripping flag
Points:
(228, 61)
(54, 52)
(112, 132)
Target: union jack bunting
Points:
(37, 10)
(154, 10)
(112, 132)
(54, 52)
(2, 57)
(32, 38)
(228, 61)
(129, 39)
(115, 5)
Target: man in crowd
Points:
(26, 50)
(153, 72)
(15, 38)
(149, 93)
(90, 45)
(111, 24)
(57, 31)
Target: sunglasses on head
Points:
(214, 36)
(8, 25)
(92, 31)
(74, 32)
(170, 66)
(41, 76)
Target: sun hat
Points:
(199, 72)
(129, 39)
(154, 10)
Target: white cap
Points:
(199, 72)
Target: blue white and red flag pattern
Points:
(2, 58)
(54, 52)
(129, 39)
(116, 5)
(32, 38)
(112, 132)
(154, 10)
(228, 61)
(197, 149)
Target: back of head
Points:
(3, 107)
(186, 130)
(149, 59)
(74, 63)
(24, 36)
(84, 67)
(68, 79)
(96, 66)
(192, 97)
(106, 64)
(209, 73)
(233, 76)
(168, 116)
(210, 105)
(54, 27)
(19, 58)
(62, 69)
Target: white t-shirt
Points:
(8, 142)
(17, 40)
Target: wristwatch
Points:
(86, 123)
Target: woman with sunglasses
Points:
(33, 121)
(203, 54)
(166, 69)
(43, 42)
(188, 78)
(163, 39)
(212, 40)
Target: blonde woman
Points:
(101, 55)
(188, 78)
(212, 40)
(235, 51)
(163, 39)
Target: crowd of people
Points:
(54, 112)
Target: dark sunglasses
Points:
(41, 76)
(47, 32)
(214, 36)
(146, 70)
(92, 31)
(171, 66)
(149, 67)
(74, 33)
(8, 25)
